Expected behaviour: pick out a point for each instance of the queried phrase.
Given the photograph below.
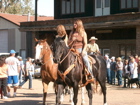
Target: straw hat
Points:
(93, 38)
(119, 59)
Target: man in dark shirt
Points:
(113, 70)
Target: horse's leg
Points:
(45, 88)
(75, 90)
(82, 95)
(71, 95)
(103, 87)
(89, 90)
(59, 93)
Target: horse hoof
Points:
(105, 103)
(72, 103)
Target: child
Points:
(3, 76)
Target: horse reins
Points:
(67, 53)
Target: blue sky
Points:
(45, 7)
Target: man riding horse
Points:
(92, 47)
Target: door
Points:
(102, 7)
(3, 41)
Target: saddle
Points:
(91, 60)
(85, 73)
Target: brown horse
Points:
(48, 67)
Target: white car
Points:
(37, 71)
(4, 54)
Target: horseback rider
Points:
(62, 32)
(78, 41)
(92, 47)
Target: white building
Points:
(10, 36)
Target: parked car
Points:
(37, 71)
(5, 54)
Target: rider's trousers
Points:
(86, 61)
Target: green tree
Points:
(16, 6)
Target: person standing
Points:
(119, 67)
(113, 70)
(28, 73)
(13, 71)
(136, 58)
(133, 68)
(92, 47)
(126, 73)
(108, 61)
(21, 69)
(3, 76)
(139, 70)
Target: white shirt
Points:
(108, 61)
(126, 69)
(13, 64)
(133, 69)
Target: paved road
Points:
(115, 96)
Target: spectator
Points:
(21, 69)
(139, 70)
(129, 60)
(119, 66)
(28, 70)
(113, 70)
(126, 73)
(133, 68)
(3, 76)
(13, 71)
(108, 61)
(136, 58)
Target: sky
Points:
(45, 7)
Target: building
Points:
(10, 36)
(116, 23)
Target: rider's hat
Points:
(93, 38)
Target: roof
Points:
(94, 23)
(16, 19)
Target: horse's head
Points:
(40, 49)
(58, 48)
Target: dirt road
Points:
(115, 96)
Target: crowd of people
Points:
(122, 68)
(12, 71)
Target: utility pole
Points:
(36, 9)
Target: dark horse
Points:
(65, 58)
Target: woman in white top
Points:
(133, 68)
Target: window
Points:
(127, 50)
(72, 6)
(123, 4)
(98, 3)
(63, 7)
(129, 4)
(107, 3)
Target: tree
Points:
(16, 6)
